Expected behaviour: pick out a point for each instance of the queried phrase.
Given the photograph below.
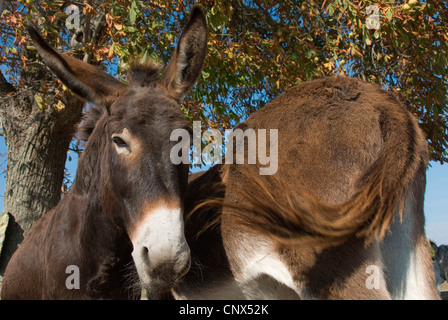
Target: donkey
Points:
(124, 213)
(440, 264)
(341, 219)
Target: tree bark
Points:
(37, 142)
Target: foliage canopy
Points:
(256, 49)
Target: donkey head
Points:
(139, 188)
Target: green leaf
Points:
(377, 34)
(344, 5)
(214, 9)
(40, 102)
(144, 57)
(133, 12)
(389, 13)
(156, 23)
(130, 29)
(366, 36)
(330, 9)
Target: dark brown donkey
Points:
(342, 218)
(124, 211)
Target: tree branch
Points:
(5, 86)
(86, 32)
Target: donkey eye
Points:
(119, 142)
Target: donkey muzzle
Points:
(161, 253)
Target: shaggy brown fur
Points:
(349, 155)
(336, 126)
(303, 215)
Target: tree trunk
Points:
(37, 142)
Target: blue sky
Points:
(436, 203)
(436, 198)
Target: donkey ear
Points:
(86, 80)
(186, 64)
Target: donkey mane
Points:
(143, 74)
(89, 122)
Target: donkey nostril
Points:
(145, 256)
